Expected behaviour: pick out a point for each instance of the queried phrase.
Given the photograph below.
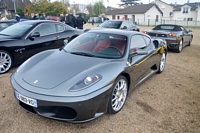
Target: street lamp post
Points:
(14, 5)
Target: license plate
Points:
(26, 100)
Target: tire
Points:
(189, 44)
(180, 46)
(5, 61)
(162, 63)
(118, 95)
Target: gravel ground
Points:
(167, 102)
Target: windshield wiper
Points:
(83, 54)
(4, 34)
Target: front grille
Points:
(57, 112)
(152, 34)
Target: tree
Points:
(99, 8)
(44, 6)
(56, 8)
(90, 8)
(130, 2)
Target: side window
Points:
(45, 29)
(125, 24)
(184, 30)
(60, 28)
(147, 40)
(130, 24)
(137, 41)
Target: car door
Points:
(48, 39)
(186, 36)
(140, 64)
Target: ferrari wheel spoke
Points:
(119, 95)
(5, 62)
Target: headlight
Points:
(86, 82)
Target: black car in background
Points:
(6, 24)
(176, 36)
(118, 24)
(22, 40)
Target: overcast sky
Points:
(115, 2)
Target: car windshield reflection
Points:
(16, 30)
(98, 45)
(111, 24)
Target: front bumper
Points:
(71, 109)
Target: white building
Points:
(141, 14)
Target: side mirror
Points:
(189, 31)
(124, 27)
(36, 34)
(137, 52)
(65, 42)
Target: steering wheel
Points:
(116, 49)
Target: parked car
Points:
(90, 76)
(22, 40)
(117, 24)
(176, 36)
(53, 18)
(6, 24)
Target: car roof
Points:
(167, 25)
(115, 31)
(118, 20)
(38, 21)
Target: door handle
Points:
(56, 37)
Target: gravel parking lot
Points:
(167, 102)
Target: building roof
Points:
(192, 5)
(19, 3)
(135, 9)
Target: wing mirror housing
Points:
(65, 42)
(124, 27)
(35, 34)
(189, 31)
(136, 52)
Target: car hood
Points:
(58, 68)
(6, 38)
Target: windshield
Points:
(167, 27)
(98, 45)
(111, 24)
(16, 30)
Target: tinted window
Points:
(45, 29)
(137, 41)
(111, 24)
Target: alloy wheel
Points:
(5, 61)
(119, 95)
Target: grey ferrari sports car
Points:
(89, 76)
(176, 36)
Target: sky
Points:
(114, 3)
